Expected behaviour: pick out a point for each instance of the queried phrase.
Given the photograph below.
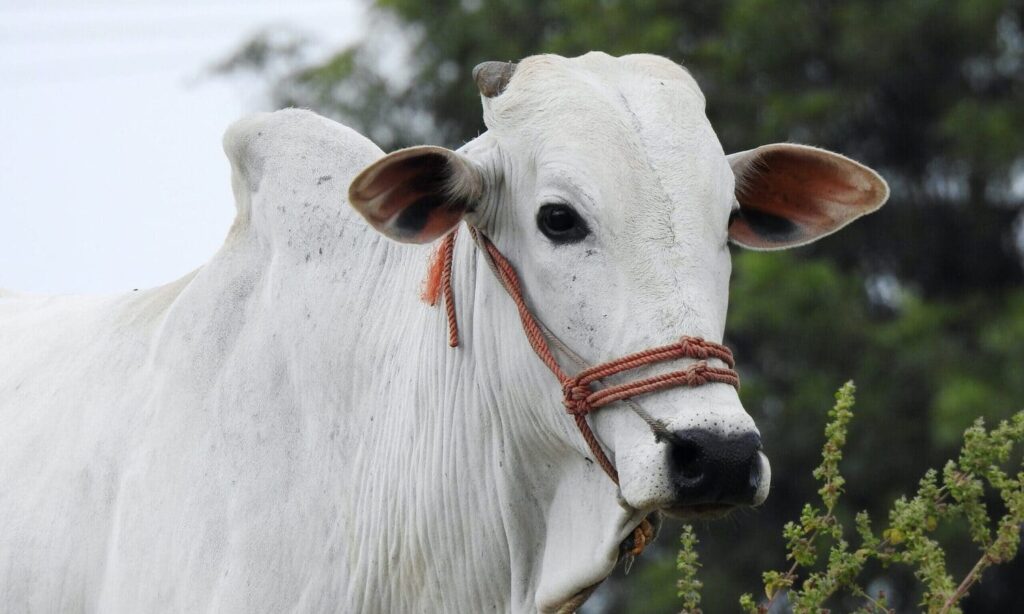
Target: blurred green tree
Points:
(922, 304)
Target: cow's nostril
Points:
(687, 456)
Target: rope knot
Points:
(575, 397)
(642, 535)
(697, 375)
(692, 347)
(701, 349)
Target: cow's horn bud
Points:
(492, 77)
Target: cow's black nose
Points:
(709, 468)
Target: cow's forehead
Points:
(637, 122)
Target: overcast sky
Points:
(112, 175)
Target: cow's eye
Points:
(561, 223)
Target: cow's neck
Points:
(446, 460)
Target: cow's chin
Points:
(628, 544)
(578, 578)
(584, 584)
(588, 529)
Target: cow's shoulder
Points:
(290, 173)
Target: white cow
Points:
(286, 430)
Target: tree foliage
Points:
(922, 303)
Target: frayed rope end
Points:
(430, 292)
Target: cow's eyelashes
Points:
(560, 223)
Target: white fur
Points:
(285, 429)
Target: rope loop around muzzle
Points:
(578, 393)
(581, 399)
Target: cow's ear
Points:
(790, 195)
(415, 195)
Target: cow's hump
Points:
(291, 169)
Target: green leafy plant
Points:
(686, 562)
(957, 494)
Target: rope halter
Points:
(578, 394)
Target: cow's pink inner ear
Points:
(415, 195)
(793, 194)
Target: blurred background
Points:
(112, 175)
(921, 304)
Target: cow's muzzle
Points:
(710, 472)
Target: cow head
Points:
(603, 182)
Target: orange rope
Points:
(447, 254)
(578, 396)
